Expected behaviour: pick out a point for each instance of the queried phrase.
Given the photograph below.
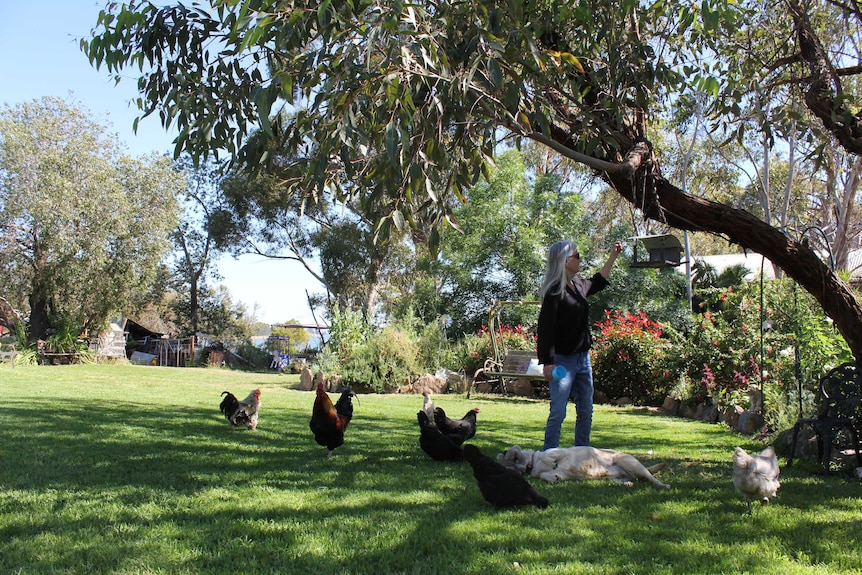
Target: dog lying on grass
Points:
(561, 463)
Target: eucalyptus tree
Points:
(82, 226)
(335, 243)
(836, 197)
(193, 239)
(406, 101)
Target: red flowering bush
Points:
(630, 358)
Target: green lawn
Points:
(129, 469)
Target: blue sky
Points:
(40, 57)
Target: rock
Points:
(670, 406)
(687, 411)
(730, 416)
(522, 388)
(749, 422)
(430, 384)
(456, 381)
(482, 387)
(710, 414)
(306, 379)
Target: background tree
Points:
(257, 217)
(230, 322)
(299, 337)
(335, 243)
(82, 227)
(404, 103)
(193, 239)
(508, 225)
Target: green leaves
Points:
(403, 104)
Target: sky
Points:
(41, 57)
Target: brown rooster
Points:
(328, 422)
(241, 413)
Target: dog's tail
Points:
(656, 467)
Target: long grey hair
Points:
(555, 274)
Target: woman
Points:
(564, 337)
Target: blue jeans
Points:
(577, 384)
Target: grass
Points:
(132, 470)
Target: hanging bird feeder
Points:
(663, 251)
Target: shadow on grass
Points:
(130, 487)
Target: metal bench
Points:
(513, 366)
(840, 413)
(8, 355)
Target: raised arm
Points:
(615, 252)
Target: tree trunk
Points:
(39, 313)
(194, 306)
(667, 203)
(844, 213)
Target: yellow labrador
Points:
(579, 463)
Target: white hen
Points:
(756, 476)
(428, 406)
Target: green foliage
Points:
(435, 350)
(66, 340)
(719, 355)
(84, 226)
(477, 348)
(404, 101)
(228, 321)
(254, 358)
(499, 252)
(381, 360)
(194, 242)
(400, 106)
(658, 293)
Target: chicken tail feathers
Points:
(229, 405)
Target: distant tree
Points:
(256, 216)
(193, 238)
(508, 225)
(298, 336)
(224, 319)
(82, 226)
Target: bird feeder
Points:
(663, 251)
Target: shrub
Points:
(629, 358)
(253, 357)
(380, 360)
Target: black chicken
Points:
(501, 487)
(438, 446)
(328, 422)
(458, 430)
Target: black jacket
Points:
(564, 321)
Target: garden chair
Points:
(841, 412)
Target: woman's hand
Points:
(615, 251)
(547, 371)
